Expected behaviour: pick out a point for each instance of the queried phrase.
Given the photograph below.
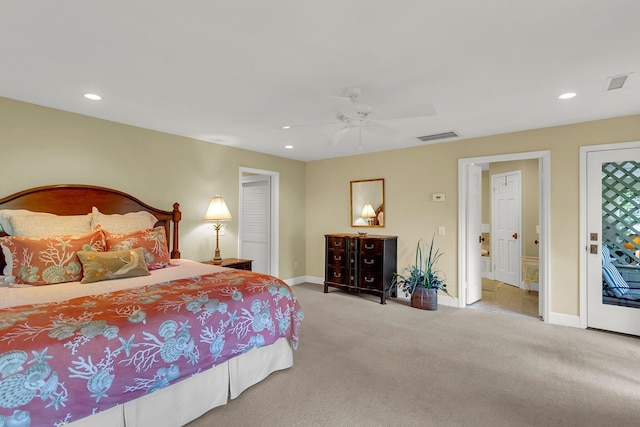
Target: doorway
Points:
(610, 230)
(468, 254)
(258, 232)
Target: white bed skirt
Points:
(185, 401)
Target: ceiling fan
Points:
(355, 115)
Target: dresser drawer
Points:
(370, 262)
(337, 275)
(337, 243)
(338, 258)
(370, 280)
(371, 246)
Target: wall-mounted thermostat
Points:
(438, 197)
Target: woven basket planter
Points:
(425, 299)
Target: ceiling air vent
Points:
(437, 136)
(617, 82)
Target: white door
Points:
(255, 233)
(613, 219)
(474, 246)
(505, 228)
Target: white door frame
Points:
(544, 214)
(275, 214)
(584, 241)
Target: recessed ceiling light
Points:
(567, 95)
(288, 147)
(286, 127)
(92, 96)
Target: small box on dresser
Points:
(360, 263)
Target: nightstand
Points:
(238, 264)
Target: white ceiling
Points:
(234, 72)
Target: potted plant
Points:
(422, 280)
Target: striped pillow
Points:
(614, 280)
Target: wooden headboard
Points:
(77, 199)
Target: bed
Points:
(156, 340)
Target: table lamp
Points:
(368, 213)
(217, 212)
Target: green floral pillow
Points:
(48, 260)
(97, 266)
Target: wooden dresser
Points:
(361, 263)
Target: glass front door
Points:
(613, 217)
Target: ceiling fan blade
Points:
(344, 105)
(336, 137)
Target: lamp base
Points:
(216, 256)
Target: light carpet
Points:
(361, 363)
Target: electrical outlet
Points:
(223, 230)
(441, 230)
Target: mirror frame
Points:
(366, 191)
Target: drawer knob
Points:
(337, 258)
(337, 274)
(369, 261)
(369, 247)
(368, 279)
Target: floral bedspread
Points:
(63, 361)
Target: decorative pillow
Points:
(5, 214)
(34, 225)
(153, 241)
(49, 259)
(614, 280)
(123, 224)
(97, 266)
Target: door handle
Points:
(515, 236)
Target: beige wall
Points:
(43, 146)
(412, 175)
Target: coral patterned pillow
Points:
(49, 260)
(153, 241)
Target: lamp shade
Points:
(218, 210)
(367, 211)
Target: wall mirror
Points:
(367, 203)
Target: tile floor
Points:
(501, 297)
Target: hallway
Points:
(503, 298)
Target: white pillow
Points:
(35, 225)
(123, 224)
(5, 214)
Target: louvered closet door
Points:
(255, 234)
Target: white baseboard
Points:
(562, 319)
(304, 279)
(448, 301)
